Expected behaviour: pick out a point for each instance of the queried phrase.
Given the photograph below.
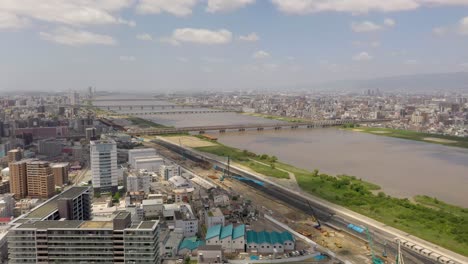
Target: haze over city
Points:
(224, 45)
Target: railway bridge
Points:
(244, 127)
(165, 106)
(195, 111)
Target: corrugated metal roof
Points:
(239, 231)
(213, 231)
(191, 243)
(268, 237)
(226, 232)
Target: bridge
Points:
(241, 128)
(168, 106)
(174, 112)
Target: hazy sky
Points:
(164, 45)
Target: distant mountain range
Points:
(457, 81)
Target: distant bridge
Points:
(166, 106)
(175, 112)
(259, 127)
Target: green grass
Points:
(245, 158)
(279, 118)
(427, 218)
(143, 123)
(414, 135)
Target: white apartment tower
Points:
(104, 165)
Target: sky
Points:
(194, 45)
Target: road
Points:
(336, 215)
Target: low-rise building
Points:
(213, 217)
(270, 242)
(208, 254)
(182, 217)
(189, 246)
(183, 195)
(152, 208)
(231, 239)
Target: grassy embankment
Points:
(427, 218)
(246, 158)
(279, 118)
(414, 135)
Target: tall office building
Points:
(18, 179)
(60, 172)
(74, 98)
(40, 180)
(15, 155)
(104, 165)
(115, 241)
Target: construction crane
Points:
(399, 258)
(375, 260)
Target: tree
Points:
(116, 197)
(273, 159)
(315, 173)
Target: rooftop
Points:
(147, 224)
(268, 237)
(96, 224)
(50, 206)
(191, 243)
(59, 165)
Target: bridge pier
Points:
(241, 129)
(201, 132)
(277, 128)
(222, 131)
(259, 128)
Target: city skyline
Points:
(217, 45)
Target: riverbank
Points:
(414, 135)
(444, 224)
(279, 118)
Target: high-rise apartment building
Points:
(104, 165)
(18, 179)
(40, 180)
(15, 155)
(60, 172)
(115, 241)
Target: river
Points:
(402, 168)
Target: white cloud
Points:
(72, 37)
(69, 12)
(144, 36)
(252, 37)
(463, 26)
(375, 44)
(226, 5)
(389, 22)
(198, 36)
(369, 26)
(261, 54)
(127, 58)
(365, 26)
(303, 7)
(174, 7)
(440, 31)
(363, 56)
(411, 62)
(12, 22)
